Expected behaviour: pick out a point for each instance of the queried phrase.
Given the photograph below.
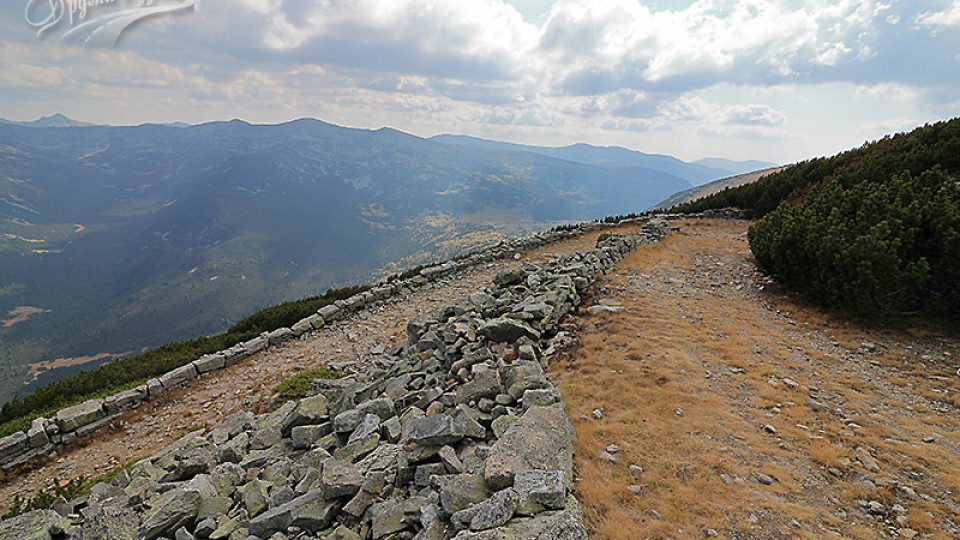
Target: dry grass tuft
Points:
(824, 453)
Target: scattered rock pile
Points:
(44, 435)
(455, 434)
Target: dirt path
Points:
(250, 384)
(746, 414)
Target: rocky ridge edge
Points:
(458, 430)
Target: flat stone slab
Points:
(88, 412)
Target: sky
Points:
(775, 80)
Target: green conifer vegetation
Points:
(129, 372)
(873, 231)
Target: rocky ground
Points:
(710, 404)
(250, 385)
(707, 402)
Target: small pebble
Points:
(679, 411)
(764, 479)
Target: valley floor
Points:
(714, 405)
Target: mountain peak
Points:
(54, 120)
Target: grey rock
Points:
(342, 533)
(507, 330)
(389, 517)
(210, 362)
(195, 461)
(62, 507)
(540, 490)
(450, 461)
(566, 524)
(541, 439)
(369, 426)
(495, 511)
(541, 397)
(340, 479)
(178, 509)
(178, 377)
(254, 495)
(523, 376)
(502, 423)
(214, 507)
(125, 400)
(348, 420)
(37, 434)
(437, 430)
(305, 436)
(13, 444)
(310, 410)
(358, 449)
(36, 525)
(385, 456)
(265, 437)
(382, 407)
(71, 418)
(310, 512)
(154, 388)
(460, 491)
(485, 384)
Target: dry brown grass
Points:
(692, 327)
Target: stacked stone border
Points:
(46, 435)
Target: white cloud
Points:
(750, 115)
(626, 124)
(891, 92)
(941, 19)
(624, 41)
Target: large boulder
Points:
(13, 445)
(541, 439)
(88, 412)
(485, 384)
(309, 411)
(504, 329)
(310, 511)
(460, 491)
(36, 525)
(178, 509)
(436, 430)
(179, 377)
(566, 524)
(523, 376)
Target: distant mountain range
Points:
(113, 239)
(699, 192)
(696, 173)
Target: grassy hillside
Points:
(872, 231)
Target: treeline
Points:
(872, 231)
(129, 372)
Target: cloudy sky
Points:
(777, 80)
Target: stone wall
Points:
(45, 435)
